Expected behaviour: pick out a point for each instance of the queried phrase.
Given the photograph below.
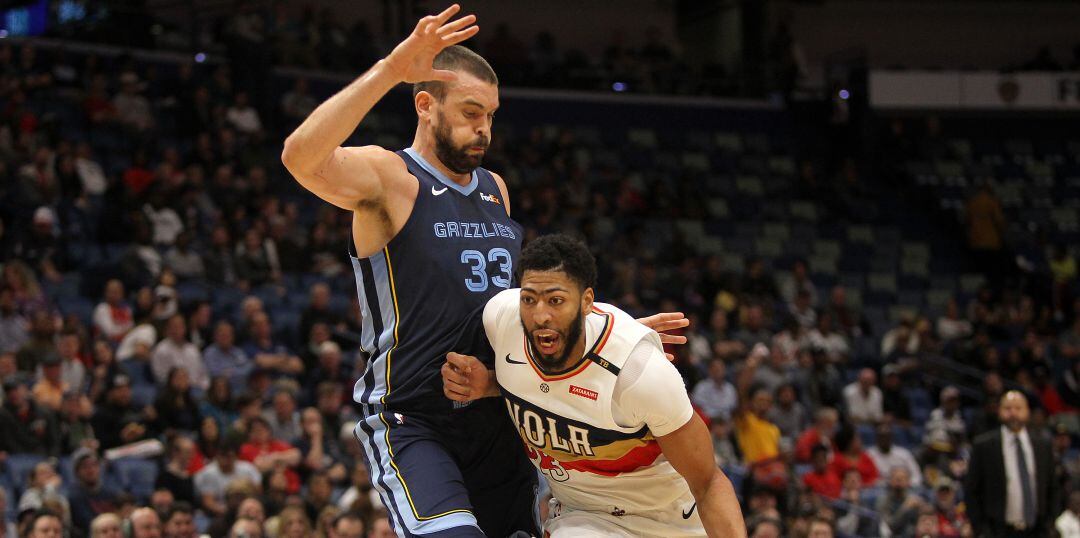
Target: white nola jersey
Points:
(566, 420)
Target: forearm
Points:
(334, 120)
(719, 508)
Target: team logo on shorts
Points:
(399, 418)
(544, 388)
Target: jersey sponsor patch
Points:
(585, 393)
(490, 198)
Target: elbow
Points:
(709, 481)
(291, 154)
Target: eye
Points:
(556, 300)
(528, 300)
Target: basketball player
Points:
(603, 414)
(432, 241)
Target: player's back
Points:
(420, 294)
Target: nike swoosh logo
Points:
(437, 192)
(686, 515)
(512, 361)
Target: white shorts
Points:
(567, 523)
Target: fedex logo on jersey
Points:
(490, 198)
(585, 393)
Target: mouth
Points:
(547, 341)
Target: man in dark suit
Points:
(1009, 487)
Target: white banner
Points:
(977, 90)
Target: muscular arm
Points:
(348, 177)
(687, 448)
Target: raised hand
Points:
(412, 59)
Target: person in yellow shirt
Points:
(758, 438)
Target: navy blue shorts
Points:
(454, 473)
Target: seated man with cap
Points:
(89, 496)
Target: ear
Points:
(425, 105)
(587, 298)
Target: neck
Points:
(424, 144)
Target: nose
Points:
(541, 316)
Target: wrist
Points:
(387, 68)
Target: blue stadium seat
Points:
(137, 476)
(18, 471)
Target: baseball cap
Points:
(950, 392)
(119, 380)
(81, 455)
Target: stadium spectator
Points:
(950, 326)
(72, 369)
(256, 260)
(14, 327)
(788, 413)
(243, 117)
(252, 508)
(76, 430)
(133, 110)
(319, 450)
(267, 353)
(174, 351)
(716, 396)
(49, 390)
(89, 496)
(108, 525)
(798, 281)
(820, 433)
(852, 515)
(267, 452)
(298, 103)
(144, 523)
(899, 505)
(952, 523)
(224, 359)
(822, 478)
(283, 417)
(844, 316)
(1067, 524)
(350, 524)
(175, 406)
(29, 428)
(823, 336)
(175, 474)
(887, 456)
(245, 528)
(802, 310)
(318, 309)
(894, 404)
(753, 329)
(43, 484)
(863, 400)
(46, 524)
(292, 522)
(117, 421)
(183, 260)
(329, 368)
(212, 480)
(849, 454)
(218, 260)
(946, 421)
(757, 285)
(40, 344)
(179, 521)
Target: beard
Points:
(569, 337)
(457, 158)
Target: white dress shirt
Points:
(1014, 494)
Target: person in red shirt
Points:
(850, 455)
(820, 433)
(822, 479)
(268, 453)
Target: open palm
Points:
(412, 59)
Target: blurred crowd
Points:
(167, 296)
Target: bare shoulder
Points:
(503, 190)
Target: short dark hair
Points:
(560, 252)
(348, 514)
(456, 58)
(178, 507)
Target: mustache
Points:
(482, 142)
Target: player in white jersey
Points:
(602, 413)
